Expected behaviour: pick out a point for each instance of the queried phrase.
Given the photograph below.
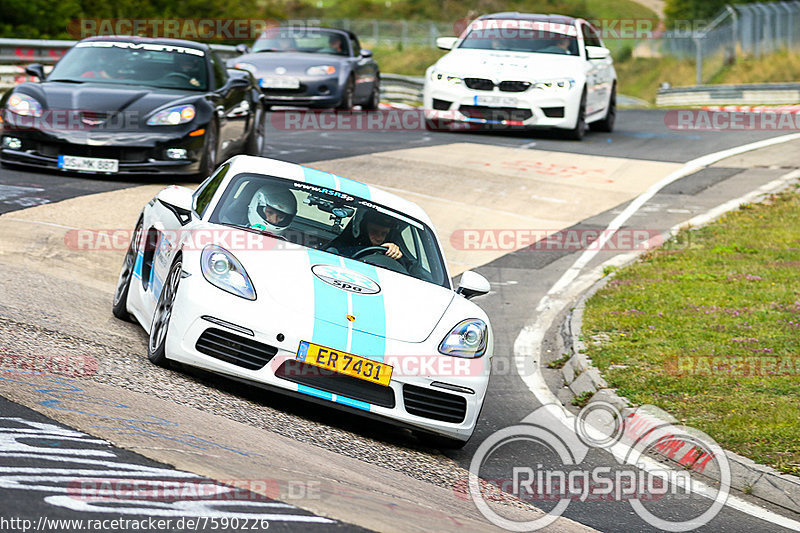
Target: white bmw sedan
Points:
(512, 70)
(314, 285)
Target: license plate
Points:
(279, 83)
(503, 101)
(91, 164)
(344, 363)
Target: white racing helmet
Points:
(274, 197)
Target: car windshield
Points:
(307, 40)
(128, 63)
(534, 38)
(331, 221)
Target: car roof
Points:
(319, 178)
(148, 40)
(310, 29)
(515, 15)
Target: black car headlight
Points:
(24, 105)
(180, 114)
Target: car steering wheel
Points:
(370, 250)
(178, 75)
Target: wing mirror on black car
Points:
(35, 69)
(238, 79)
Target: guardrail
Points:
(401, 89)
(746, 94)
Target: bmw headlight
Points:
(173, 116)
(24, 105)
(563, 84)
(249, 67)
(321, 70)
(467, 339)
(223, 270)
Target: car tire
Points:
(346, 103)
(255, 141)
(375, 97)
(577, 133)
(120, 303)
(157, 343)
(208, 163)
(607, 123)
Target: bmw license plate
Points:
(344, 363)
(500, 101)
(279, 83)
(90, 164)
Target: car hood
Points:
(501, 65)
(306, 282)
(103, 97)
(293, 62)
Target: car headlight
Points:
(321, 70)
(24, 105)
(467, 339)
(173, 116)
(249, 67)
(223, 270)
(564, 84)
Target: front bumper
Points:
(533, 108)
(313, 92)
(137, 152)
(416, 398)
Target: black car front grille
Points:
(433, 404)
(514, 86)
(553, 112)
(495, 113)
(128, 155)
(327, 380)
(235, 349)
(479, 84)
(268, 91)
(441, 105)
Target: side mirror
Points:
(597, 52)
(366, 52)
(242, 49)
(446, 43)
(35, 69)
(178, 200)
(472, 284)
(238, 79)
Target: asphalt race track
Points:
(55, 301)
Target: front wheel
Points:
(156, 346)
(607, 124)
(577, 133)
(120, 304)
(346, 103)
(208, 163)
(374, 98)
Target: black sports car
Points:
(313, 67)
(132, 105)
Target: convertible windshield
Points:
(338, 223)
(521, 39)
(307, 40)
(128, 63)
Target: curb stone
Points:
(761, 481)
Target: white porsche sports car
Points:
(520, 70)
(314, 284)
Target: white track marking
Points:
(529, 340)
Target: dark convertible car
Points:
(132, 105)
(312, 67)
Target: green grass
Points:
(729, 290)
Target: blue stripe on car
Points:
(137, 266)
(328, 180)
(370, 313)
(330, 307)
(352, 403)
(311, 391)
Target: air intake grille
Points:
(331, 381)
(514, 86)
(496, 113)
(433, 404)
(234, 349)
(479, 84)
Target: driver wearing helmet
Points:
(372, 230)
(272, 209)
(189, 66)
